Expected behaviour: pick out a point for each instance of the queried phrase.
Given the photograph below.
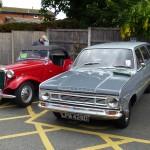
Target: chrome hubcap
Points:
(26, 93)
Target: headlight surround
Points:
(10, 73)
(44, 95)
(112, 102)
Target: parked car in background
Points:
(35, 65)
(104, 82)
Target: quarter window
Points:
(148, 47)
(145, 53)
(139, 58)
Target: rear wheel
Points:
(123, 122)
(24, 94)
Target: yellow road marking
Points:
(105, 137)
(34, 116)
(93, 133)
(44, 138)
(8, 106)
(11, 118)
(7, 103)
(18, 135)
(36, 102)
(23, 134)
(40, 130)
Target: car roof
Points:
(126, 45)
(42, 47)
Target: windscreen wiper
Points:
(122, 66)
(86, 64)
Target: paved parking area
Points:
(34, 128)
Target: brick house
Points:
(11, 14)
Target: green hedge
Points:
(57, 24)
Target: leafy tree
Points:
(1, 4)
(137, 21)
(99, 13)
(132, 16)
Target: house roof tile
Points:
(22, 11)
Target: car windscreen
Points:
(33, 54)
(105, 58)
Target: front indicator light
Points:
(65, 106)
(43, 104)
(111, 112)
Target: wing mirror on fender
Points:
(142, 65)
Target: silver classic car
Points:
(104, 82)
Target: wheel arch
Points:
(11, 88)
(18, 81)
(133, 99)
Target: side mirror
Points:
(142, 65)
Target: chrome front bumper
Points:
(93, 113)
(6, 95)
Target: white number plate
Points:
(73, 116)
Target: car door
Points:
(142, 58)
(55, 64)
(146, 69)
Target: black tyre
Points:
(147, 90)
(123, 122)
(57, 115)
(24, 94)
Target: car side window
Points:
(58, 56)
(148, 48)
(145, 53)
(139, 58)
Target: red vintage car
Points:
(34, 65)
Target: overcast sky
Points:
(35, 4)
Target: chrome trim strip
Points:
(79, 104)
(76, 98)
(8, 96)
(98, 113)
(5, 95)
(81, 94)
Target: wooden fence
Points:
(12, 43)
(72, 39)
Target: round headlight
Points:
(10, 73)
(112, 102)
(45, 95)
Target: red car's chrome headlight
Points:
(10, 73)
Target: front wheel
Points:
(123, 122)
(24, 94)
(57, 115)
(148, 89)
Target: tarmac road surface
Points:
(33, 128)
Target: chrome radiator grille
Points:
(78, 98)
(2, 78)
